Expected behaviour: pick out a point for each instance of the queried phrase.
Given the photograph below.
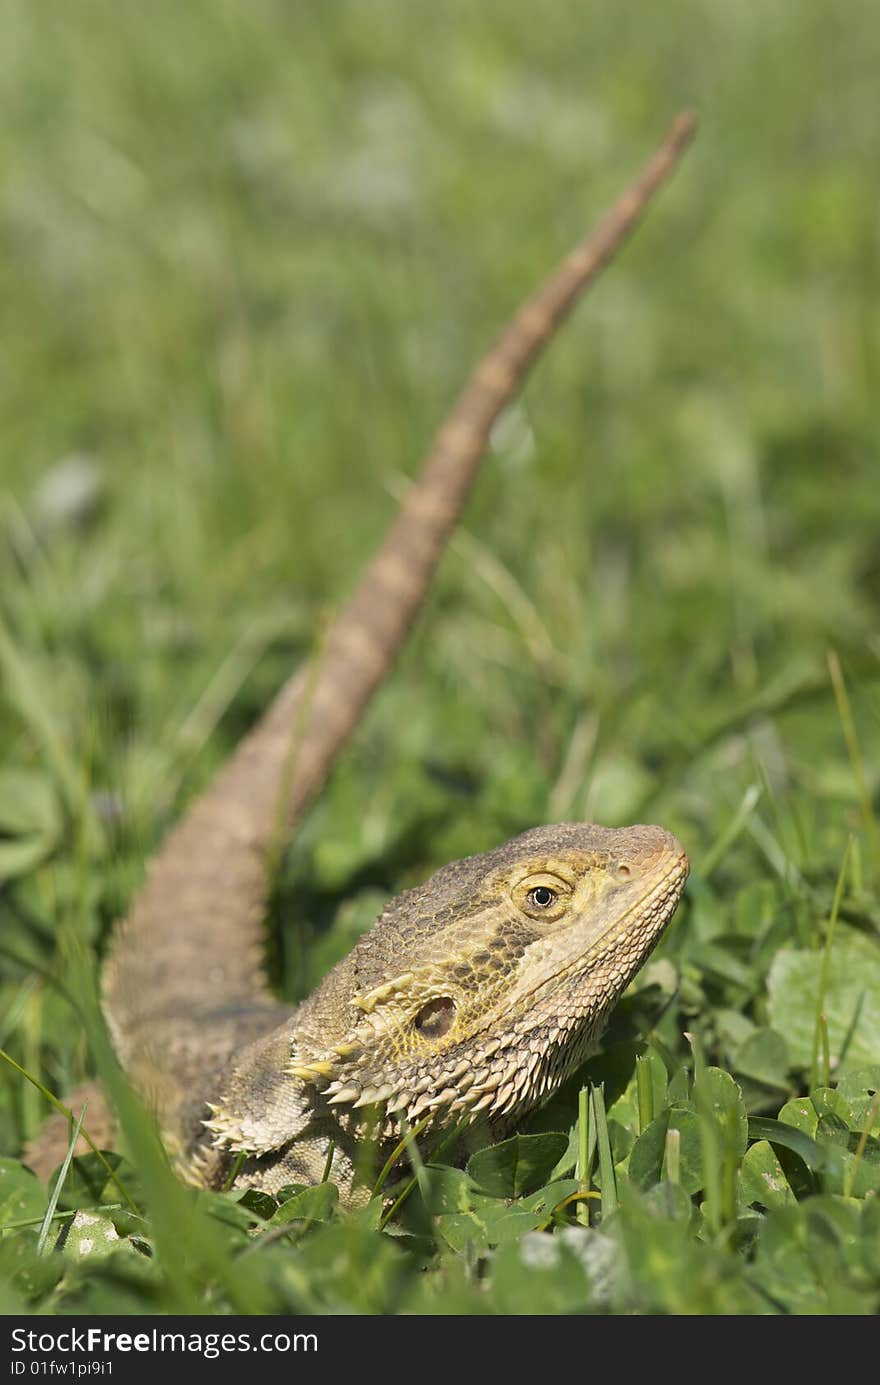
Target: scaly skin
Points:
(470, 1000)
(518, 997)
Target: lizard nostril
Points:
(436, 1018)
(623, 871)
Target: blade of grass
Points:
(729, 834)
(644, 1091)
(717, 1148)
(59, 1183)
(328, 1162)
(409, 1135)
(856, 874)
(825, 1052)
(820, 1032)
(817, 1158)
(26, 690)
(56, 1216)
(672, 1156)
(729, 1169)
(603, 1144)
(414, 1154)
(580, 1199)
(847, 722)
(438, 1149)
(586, 1151)
(234, 1171)
(850, 1179)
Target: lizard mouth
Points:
(659, 899)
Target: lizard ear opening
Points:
(436, 1018)
(624, 870)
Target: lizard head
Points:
(481, 990)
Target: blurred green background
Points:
(247, 254)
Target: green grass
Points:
(246, 252)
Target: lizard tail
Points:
(190, 950)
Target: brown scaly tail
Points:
(190, 950)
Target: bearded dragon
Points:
(475, 994)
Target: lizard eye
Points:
(436, 1018)
(542, 897)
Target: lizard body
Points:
(475, 994)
